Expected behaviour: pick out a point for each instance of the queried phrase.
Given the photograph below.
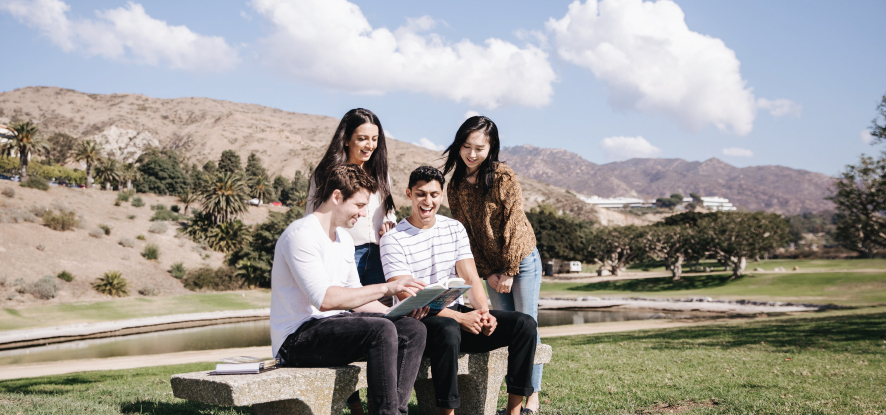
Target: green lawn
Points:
(829, 363)
(849, 288)
(127, 308)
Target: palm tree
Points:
(107, 171)
(88, 152)
(260, 188)
(130, 172)
(225, 197)
(24, 141)
(186, 199)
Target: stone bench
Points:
(317, 391)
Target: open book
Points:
(242, 365)
(436, 296)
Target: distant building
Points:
(714, 203)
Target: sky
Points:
(751, 82)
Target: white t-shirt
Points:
(428, 255)
(366, 229)
(306, 264)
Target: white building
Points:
(617, 202)
(714, 203)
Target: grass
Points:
(823, 364)
(127, 308)
(848, 288)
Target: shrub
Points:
(137, 201)
(140, 237)
(151, 252)
(96, 233)
(165, 215)
(58, 205)
(130, 217)
(8, 192)
(123, 196)
(2, 281)
(206, 278)
(105, 228)
(174, 208)
(117, 202)
(45, 288)
(112, 283)
(41, 247)
(158, 206)
(148, 291)
(38, 210)
(178, 270)
(126, 243)
(65, 275)
(62, 221)
(36, 182)
(10, 297)
(158, 227)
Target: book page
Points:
(421, 299)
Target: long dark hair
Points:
(486, 171)
(337, 154)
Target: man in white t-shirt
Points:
(321, 315)
(432, 248)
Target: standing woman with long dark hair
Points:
(360, 139)
(485, 197)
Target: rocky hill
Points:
(770, 188)
(201, 128)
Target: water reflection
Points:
(253, 333)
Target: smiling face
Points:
(474, 151)
(347, 212)
(362, 144)
(426, 198)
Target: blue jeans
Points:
(368, 258)
(523, 298)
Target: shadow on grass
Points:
(57, 385)
(799, 333)
(660, 284)
(184, 407)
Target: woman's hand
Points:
(385, 227)
(504, 284)
(493, 281)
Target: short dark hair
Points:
(346, 178)
(426, 174)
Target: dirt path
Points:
(592, 278)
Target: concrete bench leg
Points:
(328, 397)
(478, 386)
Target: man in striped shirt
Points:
(432, 249)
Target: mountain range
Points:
(769, 188)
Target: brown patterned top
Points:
(499, 232)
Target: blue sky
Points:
(790, 83)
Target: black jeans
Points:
(446, 340)
(392, 348)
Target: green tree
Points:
(61, 146)
(161, 173)
(671, 245)
(210, 168)
(733, 237)
(229, 162)
(558, 236)
(108, 171)
(878, 131)
(9, 165)
(88, 152)
(859, 194)
(616, 247)
(130, 172)
(254, 167)
(225, 198)
(25, 141)
(260, 188)
(255, 259)
(674, 200)
(187, 198)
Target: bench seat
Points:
(324, 391)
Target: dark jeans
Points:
(446, 340)
(392, 348)
(368, 258)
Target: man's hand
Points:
(489, 322)
(385, 227)
(420, 313)
(409, 286)
(471, 322)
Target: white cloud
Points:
(737, 152)
(330, 42)
(866, 136)
(245, 15)
(652, 62)
(623, 148)
(430, 145)
(780, 107)
(124, 34)
(471, 113)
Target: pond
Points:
(254, 333)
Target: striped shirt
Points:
(428, 255)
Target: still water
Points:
(253, 333)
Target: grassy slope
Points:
(837, 366)
(127, 308)
(852, 288)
